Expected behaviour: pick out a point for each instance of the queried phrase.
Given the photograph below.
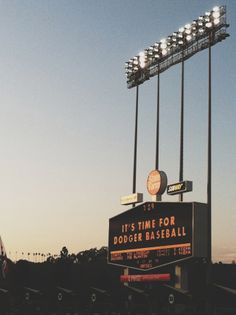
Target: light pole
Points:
(158, 122)
(182, 127)
(209, 177)
(135, 142)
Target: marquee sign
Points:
(158, 233)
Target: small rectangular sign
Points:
(145, 278)
(179, 188)
(134, 198)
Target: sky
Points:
(67, 120)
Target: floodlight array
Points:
(206, 31)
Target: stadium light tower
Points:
(203, 33)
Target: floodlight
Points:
(208, 24)
(188, 37)
(194, 25)
(164, 52)
(216, 14)
(163, 45)
(150, 53)
(216, 21)
(215, 9)
(169, 40)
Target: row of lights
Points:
(178, 40)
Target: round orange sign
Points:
(156, 182)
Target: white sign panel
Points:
(134, 198)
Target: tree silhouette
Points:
(64, 253)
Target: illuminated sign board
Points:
(158, 233)
(179, 188)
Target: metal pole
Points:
(158, 197)
(209, 154)
(209, 305)
(158, 120)
(135, 143)
(181, 127)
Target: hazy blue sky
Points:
(67, 119)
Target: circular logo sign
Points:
(93, 297)
(27, 296)
(171, 298)
(59, 296)
(156, 182)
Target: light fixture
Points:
(163, 45)
(164, 52)
(142, 59)
(188, 31)
(216, 14)
(209, 24)
(188, 37)
(215, 9)
(216, 21)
